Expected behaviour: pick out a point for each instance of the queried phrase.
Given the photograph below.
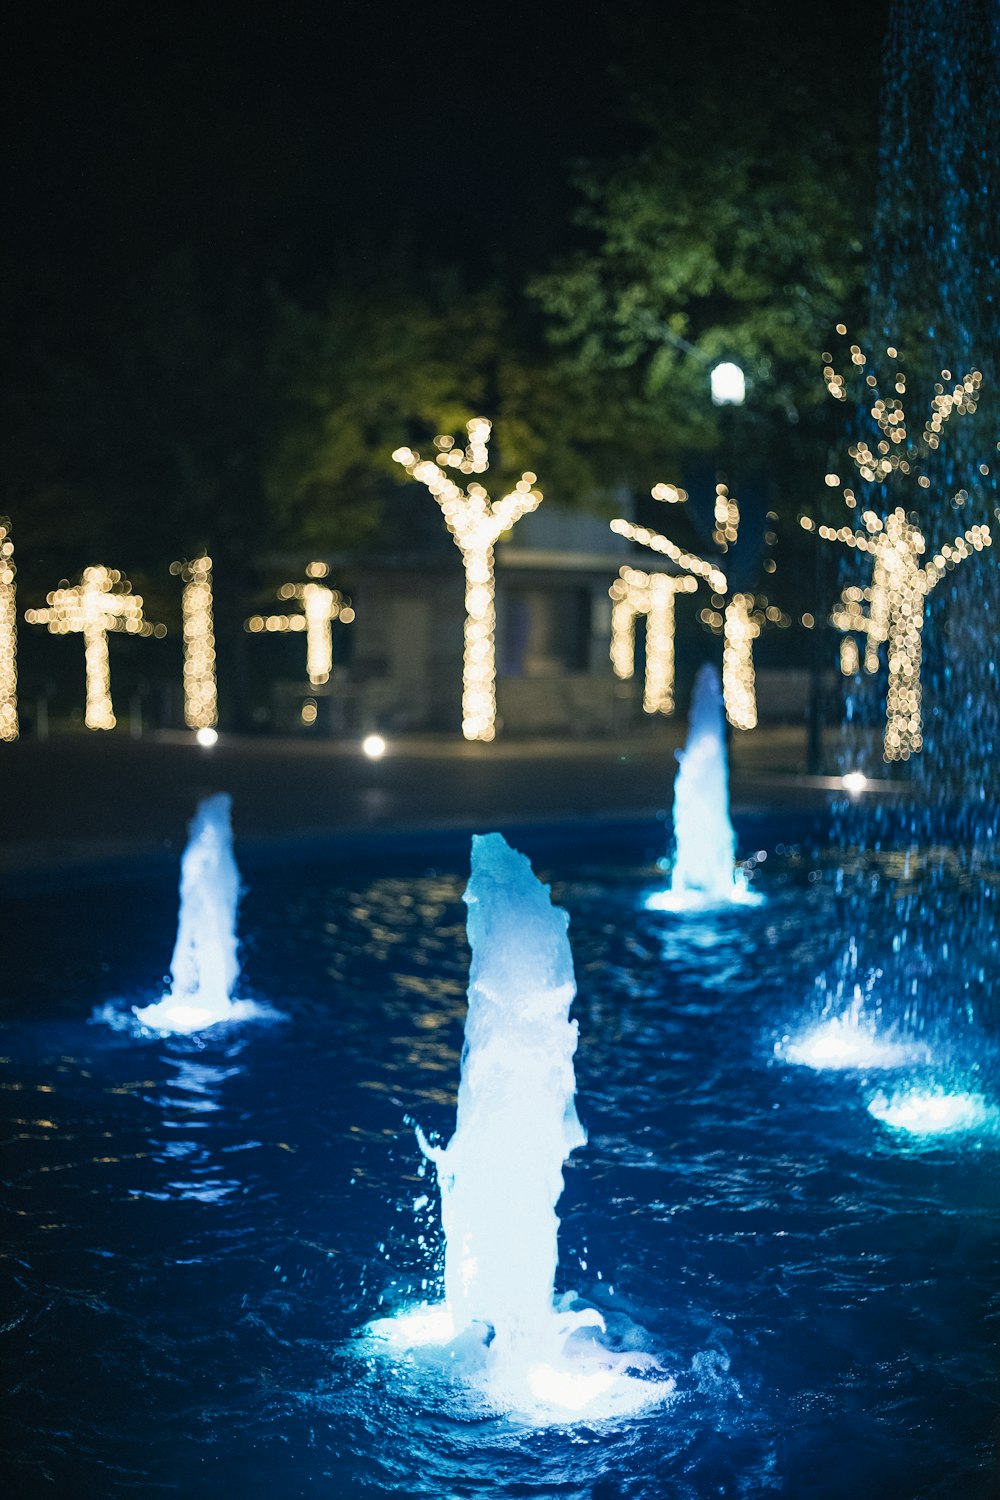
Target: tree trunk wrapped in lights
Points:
(8, 635)
(321, 605)
(635, 593)
(744, 613)
(476, 523)
(895, 619)
(201, 698)
(101, 602)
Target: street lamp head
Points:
(729, 387)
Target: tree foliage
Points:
(736, 230)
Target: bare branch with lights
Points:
(900, 580)
(743, 614)
(201, 698)
(476, 523)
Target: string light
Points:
(895, 598)
(476, 523)
(321, 605)
(740, 618)
(201, 700)
(8, 635)
(636, 593)
(850, 660)
(741, 627)
(890, 611)
(101, 602)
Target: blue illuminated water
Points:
(198, 1228)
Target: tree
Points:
(737, 229)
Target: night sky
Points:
(286, 138)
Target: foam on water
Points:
(854, 1039)
(501, 1174)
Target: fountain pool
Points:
(199, 1227)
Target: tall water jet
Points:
(517, 1122)
(205, 966)
(933, 287)
(501, 1174)
(704, 871)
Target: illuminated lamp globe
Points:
(374, 746)
(207, 736)
(729, 386)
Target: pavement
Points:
(96, 799)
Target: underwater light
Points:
(704, 872)
(932, 1112)
(374, 746)
(207, 736)
(854, 782)
(569, 1389)
(850, 1041)
(416, 1328)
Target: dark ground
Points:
(90, 799)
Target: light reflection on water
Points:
(200, 1226)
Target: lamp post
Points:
(728, 384)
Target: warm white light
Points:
(8, 635)
(850, 660)
(320, 607)
(729, 387)
(741, 628)
(201, 703)
(374, 746)
(744, 617)
(102, 601)
(895, 597)
(852, 1040)
(476, 522)
(207, 736)
(900, 581)
(651, 594)
(854, 782)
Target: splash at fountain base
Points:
(564, 1374)
(852, 1040)
(689, 899)
(182, 1017)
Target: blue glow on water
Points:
(935, 1111)
(201, 1224)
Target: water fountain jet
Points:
(704, 872)
(501, 1174)
(205, 966)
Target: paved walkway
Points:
(90, 799)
